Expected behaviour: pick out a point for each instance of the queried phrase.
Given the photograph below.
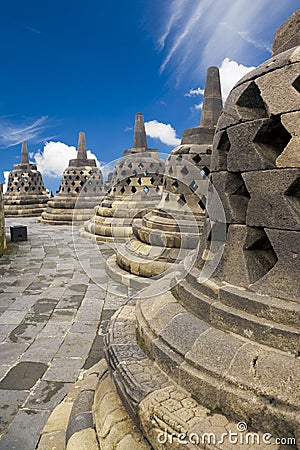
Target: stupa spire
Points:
(212, 103)
(140, 140)
(81, 154)
(24, 157)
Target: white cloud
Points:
(12, 134)
(162, 131)
(55, 158)
(198, 106)
(230, 73)
(192, 92)
(5, 174)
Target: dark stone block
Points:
(256, 145)
(18, 233)
(233, 195)
(23, 376)
(274, 198)
(282, 280)
(78, 423)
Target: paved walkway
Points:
(53, 314)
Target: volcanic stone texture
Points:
(288, 35)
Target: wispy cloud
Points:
(33, 30)
(162, 131)
(204, 32)
(13, 133)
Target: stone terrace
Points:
(52, 320)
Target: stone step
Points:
(122, 276)
(222, 370)
(220, 315)
(167, 413)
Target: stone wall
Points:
(2, 224)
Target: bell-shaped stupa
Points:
(26, 194)
(135, 188)
(165, 235)
(2, 222)
(79, 192)
(223, 347)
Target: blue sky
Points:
(70, 66)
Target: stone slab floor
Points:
(55, 303)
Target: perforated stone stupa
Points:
(166, 234)
(223, 348)
(135, 189)
(2, 222)
(26, 194)
(79, 192)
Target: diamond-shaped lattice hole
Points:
(134, 173)
(146, 190)
(122, 190)
(141, 165)
(271, 139)
(184, 170)
(263, 258)
(204, 171)
(193, 186)
(145, 173)
(123, 173)
(152, 180)
(181, 200)
(130, 165)
(175, 184)
(296, 84)
(251, 98)
(77, 189)
(133, 189)
(128, 181)
(196, 158)
(140, 181)
(179, 158)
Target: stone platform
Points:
(52, 321)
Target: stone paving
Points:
(53, 315)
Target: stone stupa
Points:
(135, 188)
(222, 349)
(215, 364)
(2, 222)
(26, 195)
(165, 235)
(79, 192)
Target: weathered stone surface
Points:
(273, 83)
(288, 35)
(273, 199)
(234, 197)
(290, 156)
